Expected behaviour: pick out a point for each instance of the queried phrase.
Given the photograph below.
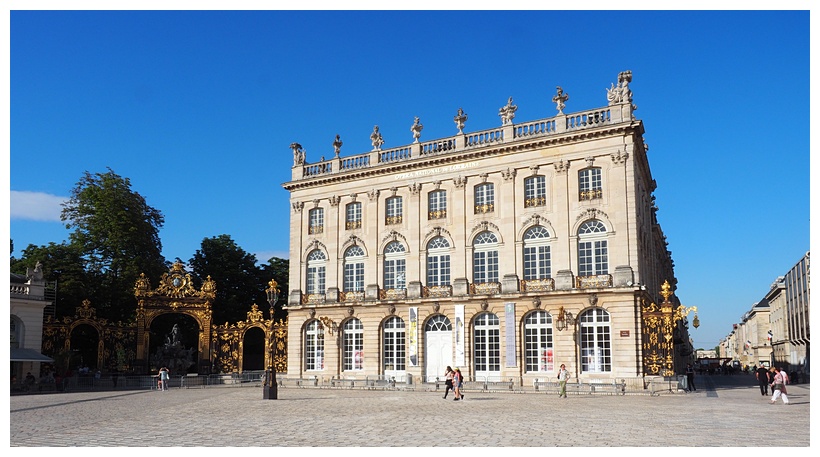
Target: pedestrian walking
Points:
(779, 386)
(563, 377)
(163, 378)
(690, 377)
(763, 379)
(448, 381)
(458, 382)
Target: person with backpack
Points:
(458, 382)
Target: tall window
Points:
(394, 211)
(354, 269)
(485, 258)
(316, 221)
(395, 272)
(535, 191)
(438, 262)
(314, 346)
(593, 258)
(487, 344)
(437, 204)
(589, 184)
(316, 272)
(536, 253)
(484, 198)
(596, 346)
(353, 216)
(353, 357)
(538, 350)
(394, 344)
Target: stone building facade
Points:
(26, 304)
(505, 252)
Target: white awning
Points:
(28, 355)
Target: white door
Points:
(439, 343)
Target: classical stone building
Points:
(505, 252)
(27, 302)
(776, 330)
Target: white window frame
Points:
(438, 262)
(485, 258)
(537, 257)
(595, 341)
(539, 350)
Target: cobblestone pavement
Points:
(725, 411)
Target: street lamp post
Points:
(270, 389)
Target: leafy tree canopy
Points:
(117, 233)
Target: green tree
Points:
(63, 264)
(118, 234)
(239, 283)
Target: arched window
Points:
(593, 257)
(316, 272)
(353, 216)
(394, 345)
(537, 258)
(394, 211)
(437, 204)
(353, 356)
(485, 258)
(438, 262)
(354, 269)
(314, 346)
(484, 198)
(535, 191)
(539, 354)
(316, 221)
(589, 184)
(596, 341)
(487, 346)
(395, 272)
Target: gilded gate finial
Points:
(666, 290)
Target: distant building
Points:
(776, 330)
(505, 252)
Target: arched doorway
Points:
(253, 349)
(85, 344)
(438, 339)
(173, 343)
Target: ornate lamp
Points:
(270, 389)
(564, 319)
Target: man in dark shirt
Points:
(762, 375)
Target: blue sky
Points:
(198, 109)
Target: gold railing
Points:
(485, 288)
(392, 294)
(590, 194)
(313, 298)
(314, 229)
(389, 220)
(535, 201)
(537, 285)
(440, 214)
(437, 291)
(353, 225)
(351, 296)
(488, 208)
(593, 281)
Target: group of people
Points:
(775, 378)
(162, 379)
(453, 380)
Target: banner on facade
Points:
(509, 320)
(413, 334)
(459, 330)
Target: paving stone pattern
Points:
(727, 411)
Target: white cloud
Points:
(36, 206)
